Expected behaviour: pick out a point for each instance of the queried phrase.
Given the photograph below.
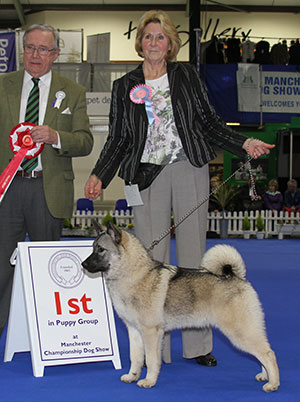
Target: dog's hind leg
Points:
(247, 332)
(269, 371)
(257, 345)
(152, 340)
(136, 347)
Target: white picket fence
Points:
(83, 220)
(275, 223)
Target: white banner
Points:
(248, 85)
(279, 91)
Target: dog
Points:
(151, 298)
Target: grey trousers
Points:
(177, 189)
(23, 210)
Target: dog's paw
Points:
(146, 383)
(268, 387)
(263, 376)
(129, 378)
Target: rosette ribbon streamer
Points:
(22, 146)
(142, 94)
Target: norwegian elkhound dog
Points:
(151, 298)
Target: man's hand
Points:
(44, 134)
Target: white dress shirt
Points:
(44, 88)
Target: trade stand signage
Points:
(280, 92)
(267, 91)
(67, 316)
(98, 103)
(248, 85)
(7, 52)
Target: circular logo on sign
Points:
(65, 269)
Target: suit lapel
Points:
(14, 86)
(136, 77)
(174, 89)
(51, 112)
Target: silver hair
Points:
(43, 27)
(292, 182)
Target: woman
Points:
(161, 132)
(273, 198)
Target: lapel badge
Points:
(60, 95)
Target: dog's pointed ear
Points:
(99, 228)
(114, 232)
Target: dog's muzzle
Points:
(94, 264)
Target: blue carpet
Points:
(273, 269)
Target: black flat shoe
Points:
(206, 360)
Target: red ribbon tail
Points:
(9, 172)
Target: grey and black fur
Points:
(152, 298)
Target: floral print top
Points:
(163, 145)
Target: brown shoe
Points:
(206, 360)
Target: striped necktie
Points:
(32, 116)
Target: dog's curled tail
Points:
(224, 261)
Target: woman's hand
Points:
(256, 148)
(93, 188)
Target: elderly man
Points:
(292, 197)
(41, 194)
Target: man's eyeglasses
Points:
(42, 50)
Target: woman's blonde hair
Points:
(167, 26)
(274, 183)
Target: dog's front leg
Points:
(153, 341)
(137, 355)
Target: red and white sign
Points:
(69, 314)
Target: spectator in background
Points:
(294, 53)
(273, 199)
(279, 53)
(292, 197)
(214, 183)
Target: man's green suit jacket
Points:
(73, 128)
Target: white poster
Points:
(280, 92)
(69, 313)
(98, 103)
(275, 91)
(248, 87)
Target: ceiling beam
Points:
(20, 11)
(228, 6)
(217, 7)
(8, 21)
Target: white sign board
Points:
(248, 84)
(98, 103)
(280, 92)
(69, 316)
(267, 91)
